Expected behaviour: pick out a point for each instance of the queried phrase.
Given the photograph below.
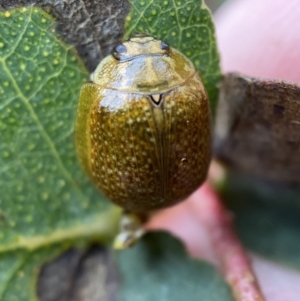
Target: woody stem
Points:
(233, 259)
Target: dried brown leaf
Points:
(258, 127)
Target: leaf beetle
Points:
(143, 128)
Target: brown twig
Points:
(232, 257)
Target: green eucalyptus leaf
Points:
(158, 268)
(185, 25)
(44, 195)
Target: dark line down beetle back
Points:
(143, 129)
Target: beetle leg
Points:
(130, 230)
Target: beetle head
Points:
(140, 44)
